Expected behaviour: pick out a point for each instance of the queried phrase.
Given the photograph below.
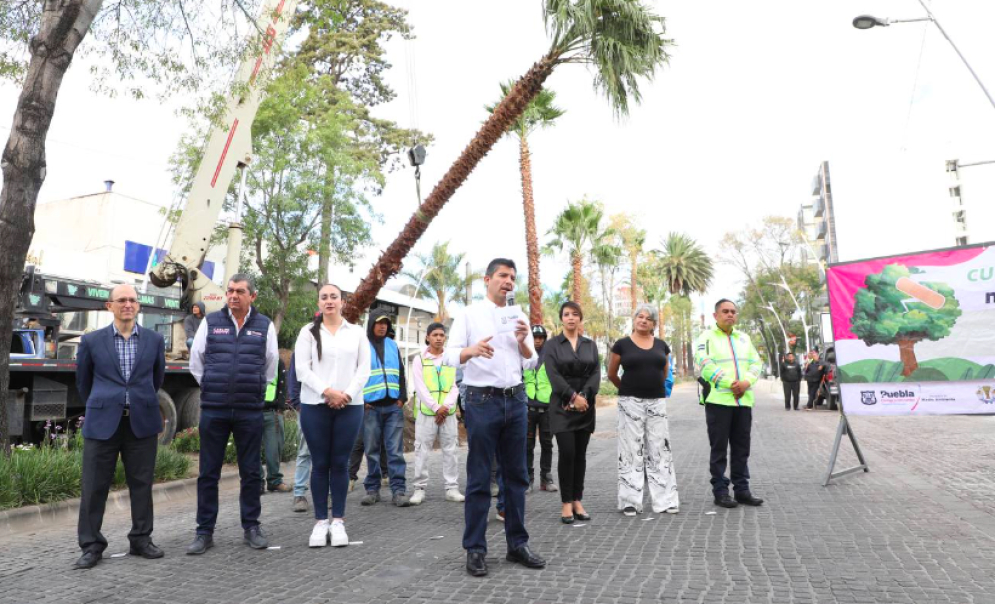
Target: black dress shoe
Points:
(88, 560)
(726, 501)
(476, 566)
(255, 538)
(201, 544)
(582, 517)
(748, 499)
(567, 519)
(150, 551)
(524, 556)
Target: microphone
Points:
(509, 299)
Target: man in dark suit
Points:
(119, 370)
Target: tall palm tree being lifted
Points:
(686, 269)
(441, 277)
(540, 113)
(577, 229)
(623, 40)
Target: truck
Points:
(53, 311)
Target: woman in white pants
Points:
(435, 415)
(644, 454)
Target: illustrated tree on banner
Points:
(895, 309)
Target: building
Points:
(817, 218)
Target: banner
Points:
(915, 334)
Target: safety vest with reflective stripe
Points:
(271, 389)
(439, 381)
(537, 386)
(722, 359)
(385, 378)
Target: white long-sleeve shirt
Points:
(199, 347)
(421, 388)
(344, 363)
(504, 369)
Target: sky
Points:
(755, 96)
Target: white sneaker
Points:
(672, 510)
(339, 537)
(629, 511)
(454, 495)
(319, 536)
(418, 497)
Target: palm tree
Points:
(686, 269)
(540, 113)
(633, 238)
(576, 229)
(441, 277)
(624, 41)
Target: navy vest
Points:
(234, 366)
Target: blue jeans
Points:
(385, 422)
(302, 475)
(330, 434)
(495, 424)
(246, 425)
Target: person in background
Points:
(384, 395)
(538, 390)
(668, 384)
(791, 377)
(332, 357)
(302, 471)
(574, 371)
(644, 452)
(435, 415)
(119, 370)
(815, 370)
(191, 323)
(273, 439)
(234, 355)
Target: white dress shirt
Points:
(199, 346)
(504, 369)
(344, 363)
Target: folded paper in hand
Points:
(506, 318)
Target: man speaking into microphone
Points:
(492, 340)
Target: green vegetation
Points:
(934, 370)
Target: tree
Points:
(624, 42)
(441, 277)
(576, 230)
(539, 113)
(171, 43)
(633, 240)
(655, 288)
(686, 269)
(606, 254)
(883, 314)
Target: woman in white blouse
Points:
(333, 365)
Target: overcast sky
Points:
(733, 129)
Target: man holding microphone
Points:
(492, 340)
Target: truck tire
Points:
(188, 408)
(168, 411)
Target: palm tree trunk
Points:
(531, 239)
(507, 111)
(63, 26)
(578, 265)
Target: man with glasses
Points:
(119, 370)
(233, 357)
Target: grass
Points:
(933, 370)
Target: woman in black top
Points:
(574, 373)
(643, 434)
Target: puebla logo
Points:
(986, 394)
(868, 397)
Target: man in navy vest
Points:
(233, 357)
(384, 395)
(119, 370)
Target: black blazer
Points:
(102, 385)
(571, 372)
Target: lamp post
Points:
(781, 325)
(784, 285)
(869, 22)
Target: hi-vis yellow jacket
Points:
(722, 359)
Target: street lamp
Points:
(869, 22)
(784, 285)
(776, 316)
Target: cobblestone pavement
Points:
(919, 528)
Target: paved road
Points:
(920, 528)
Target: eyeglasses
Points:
(125, 300)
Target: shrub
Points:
(291, 439)
(608, 389)
(187, 441)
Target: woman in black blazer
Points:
(574, 373)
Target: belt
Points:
(491, 390)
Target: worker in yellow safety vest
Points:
(538, 391)
(435, 415)
(728, 367)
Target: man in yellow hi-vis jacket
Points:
(728, 366)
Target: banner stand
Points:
(844, 428)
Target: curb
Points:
(31, 517)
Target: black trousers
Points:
(572, 464)
(539, 422)
(813, 393)
(792, 391)
(99, 463)
(729, 429)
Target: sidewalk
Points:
(919, 528)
